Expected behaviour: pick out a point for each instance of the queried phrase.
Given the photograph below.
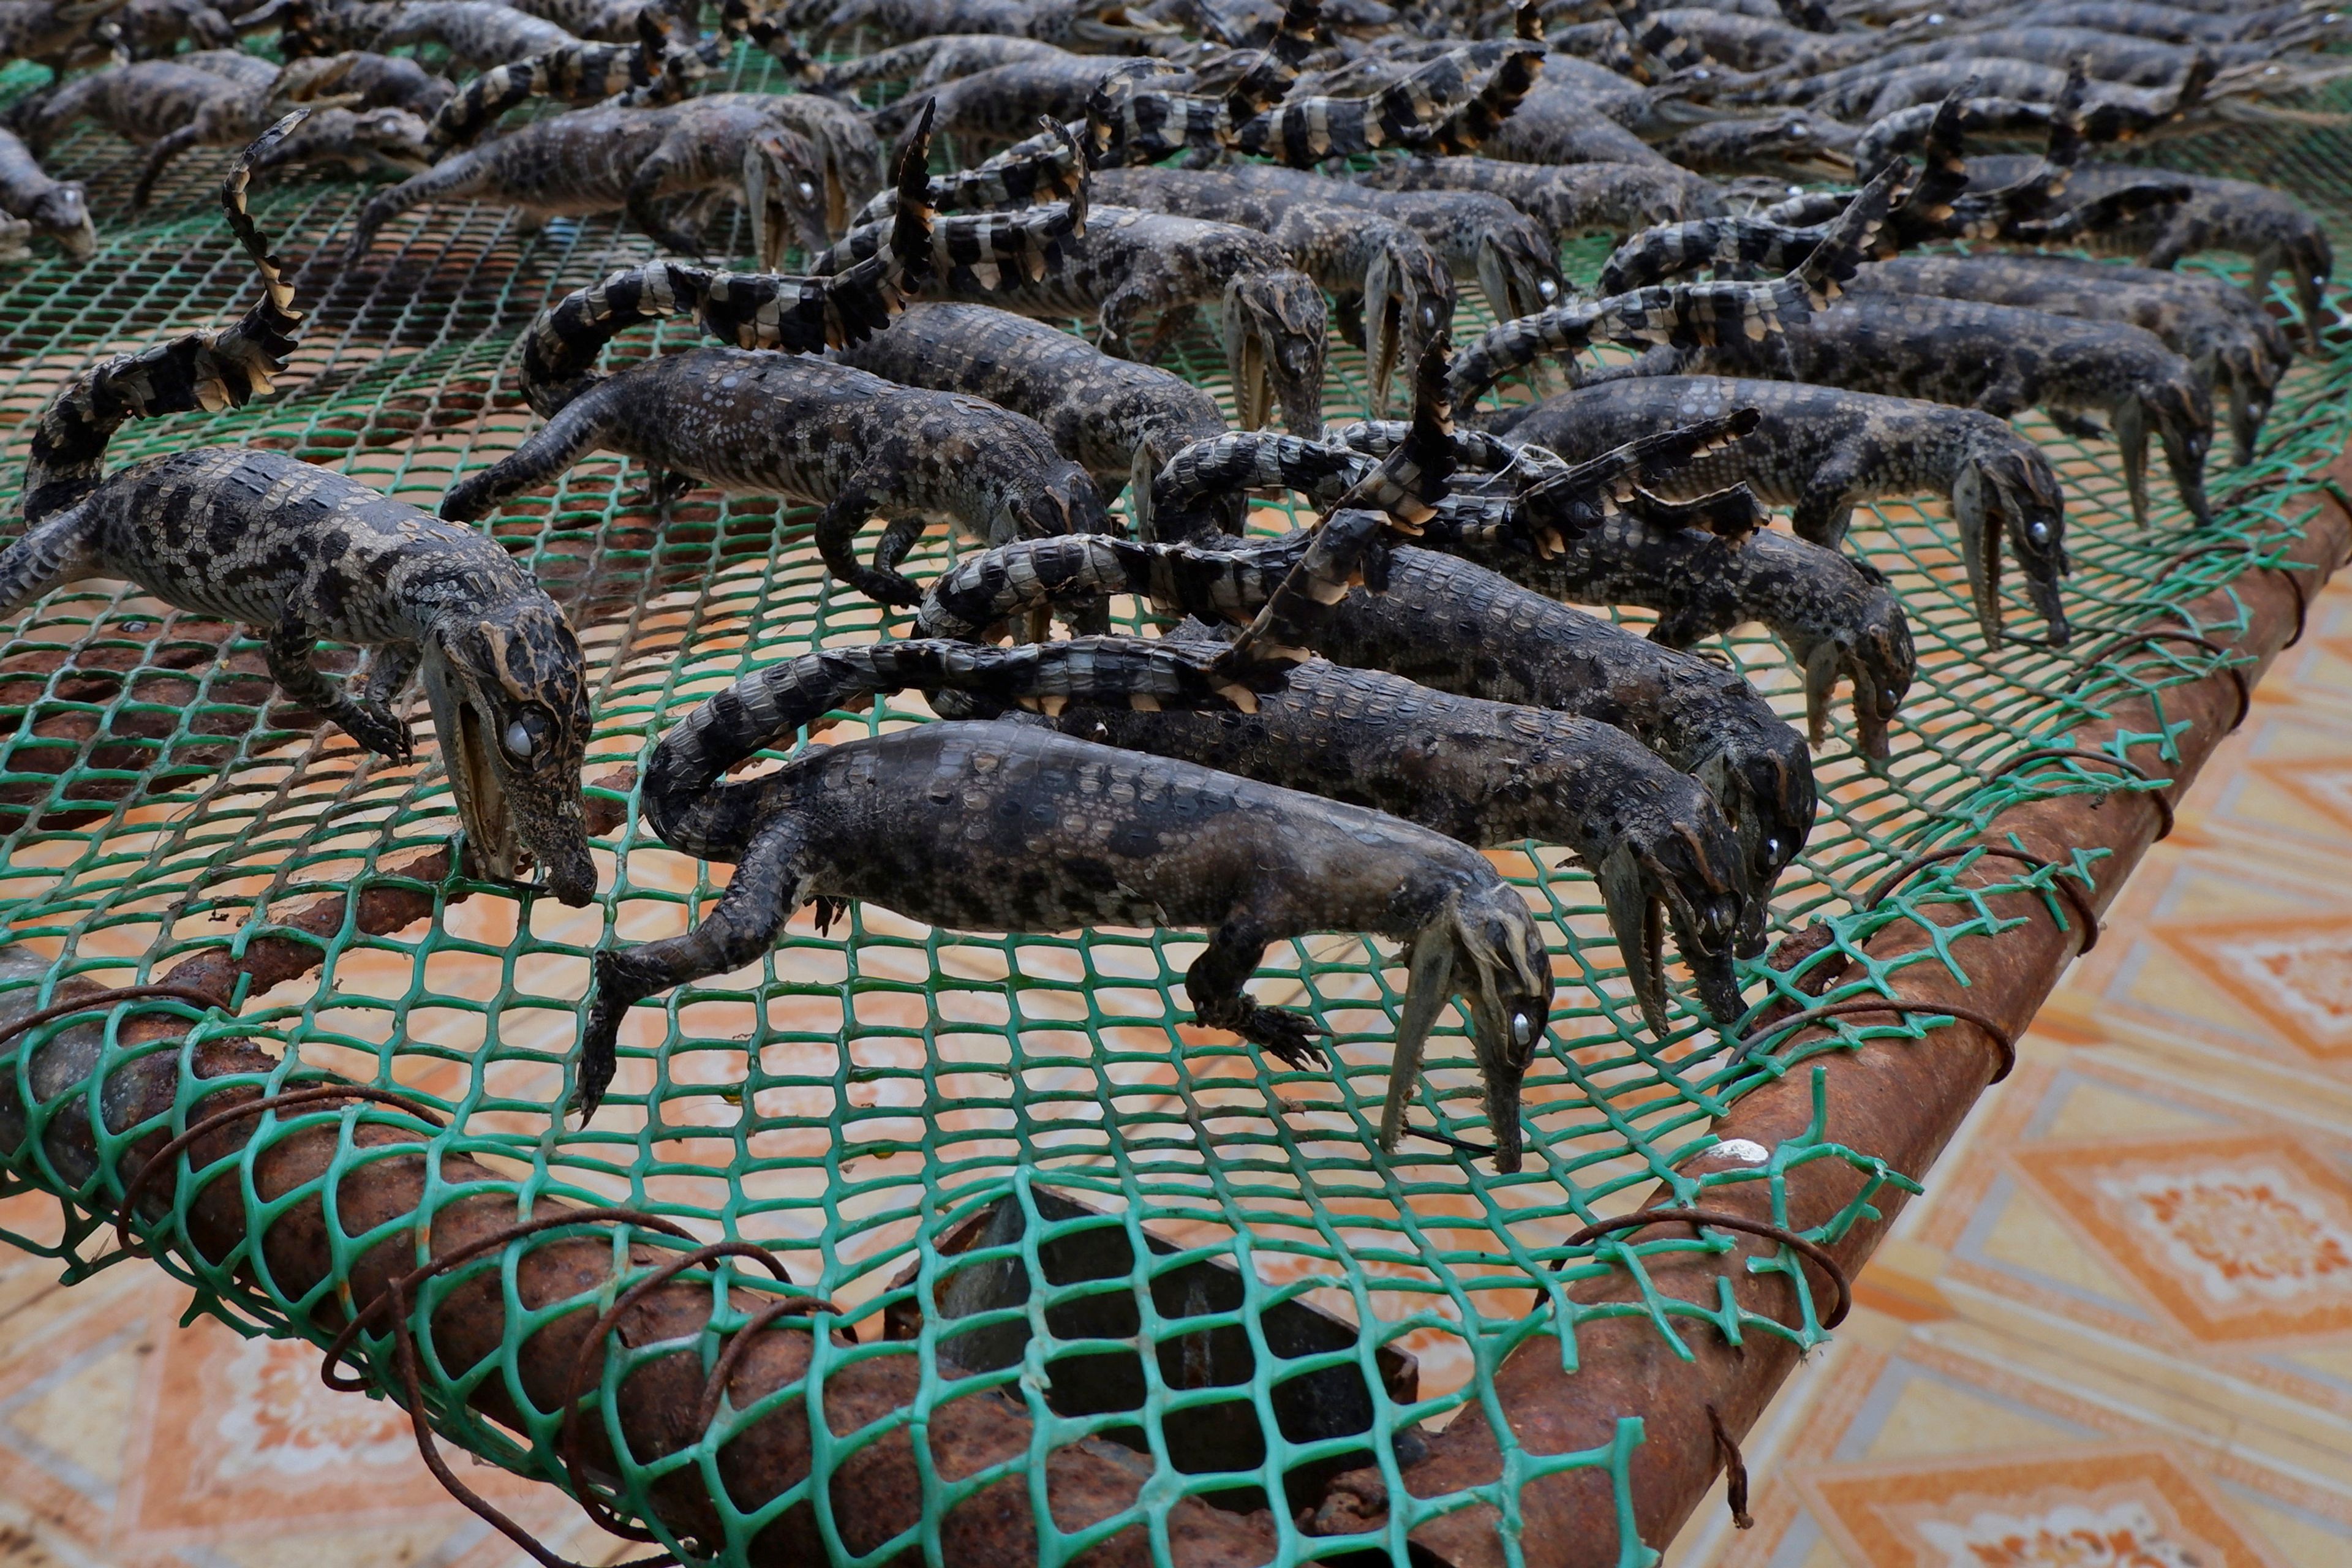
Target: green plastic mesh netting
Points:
(860, 1102)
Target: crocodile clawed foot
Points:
(378, 729)
(1291, 1036)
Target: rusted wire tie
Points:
(2159, 798)
(576, 1384)
(2246, 550)
(2158, 634)
(102, 1001)
(136, 1188)
(1735, 1470)
(2074, 896)
(1724, 1220)
(2002, 1040)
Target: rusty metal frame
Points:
(1901, 1100)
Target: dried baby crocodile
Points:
(1821, 450)
(1997, 358)
(57, 208)
(1482, 238)
(205, 101)
(1130, 264)
(1490, 774)
(1572, 201)
(650, 71)
(1447, 623)
(1379, 268)
(603, 160)
(1115, 418)
(301, 554)
(2256, 221)
(767, 423)
(981, 826)
(477, 34)
(1100, 26)
(2227, 339)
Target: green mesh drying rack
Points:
(1169, 1276)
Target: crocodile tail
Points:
(1303, 131)
(970, 600)
(1247, 461)
(1646, 459)
(1294, 35)
(1497, 99)
(1654, 40)
(1730, 514)
(1944, 168)
(2063, 147)
(565, 339)
(1516, 343)
(572, 72)
(1407, 484)
(1845, 243)
(203, 370)
(983, 250)
(770, 310)
(692, 808)
(1350, 550)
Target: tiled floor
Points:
(2118, 1333)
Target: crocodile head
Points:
(362, 141)
(62, 212)
(1408, 305)
(1763, 779)
(1518, 270)
(1275, 323)
(1790, 143)
(787, 189)
(2011, 488)
(1504, 976)
(1871, 645)
(510, 695)
(1062, 499)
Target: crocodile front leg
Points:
(837, 537)
(771, 881)
(288, 646)
(1214, 983)
(53, 550)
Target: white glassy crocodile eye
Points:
(1772, 848)
(518, 739)
(1523, 1031)
(807, 190)
(1547, 288)
(2038, 532)
(1429, 317)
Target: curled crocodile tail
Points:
(694, 809)
(574, 73)
(1497, 99)
(1045, 167)
(749, 309)
(205, 369)
(1397, 496)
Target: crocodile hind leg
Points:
(1214, 983)
(771, 881)
(53, 550)
(836, 533)
(160, 154)
(468, 174)
(288, 646)
(577, 429)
